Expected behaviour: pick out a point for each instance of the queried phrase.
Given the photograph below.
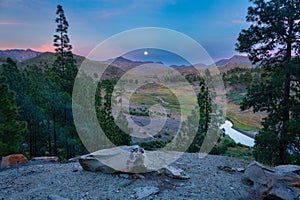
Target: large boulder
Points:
(13, 159)
(273, 184)
(129, 159)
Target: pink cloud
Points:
(6, 48)
(11, 23)
(44, 48)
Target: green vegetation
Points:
(235, 97)
(241, 152)
(12, 129)
(227, 147)
(154, 145)
(272, 40)
(239, 78)
(223, 146)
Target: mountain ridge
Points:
(28, 56)
(19, 54)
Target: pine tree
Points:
(64, 73)
(204, 99)
(107, 122)
(64, 65)
(272, 40)
(12, 130)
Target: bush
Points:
(153, 145)
(223, 146)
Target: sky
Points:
(215, 24)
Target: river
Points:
(237, 136)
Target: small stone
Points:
(240, 169)
(71, 160)
(226, 168)
(143, 192)
(175, 173)
(46, 159)
(137, 176)
(124, 176)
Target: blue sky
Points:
(215, 24)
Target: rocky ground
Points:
(207, 181)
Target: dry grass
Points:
(244, 120)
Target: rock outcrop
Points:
(13, 159)
(280, 183)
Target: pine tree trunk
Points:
(49, 139)
(30, 140)
(286, 109)
(54, 134)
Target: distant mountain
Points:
(30, 57)
(126, 64)
(19, 54)
(244, 60)
(225, 65)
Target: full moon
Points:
(145, 53)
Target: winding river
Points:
(237, 136)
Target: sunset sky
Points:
(215, 24)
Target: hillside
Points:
(47, 58)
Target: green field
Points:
(157, 94)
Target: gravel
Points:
(70, 181)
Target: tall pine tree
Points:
(272, 39)
(65, 71)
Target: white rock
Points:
(129, 159)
